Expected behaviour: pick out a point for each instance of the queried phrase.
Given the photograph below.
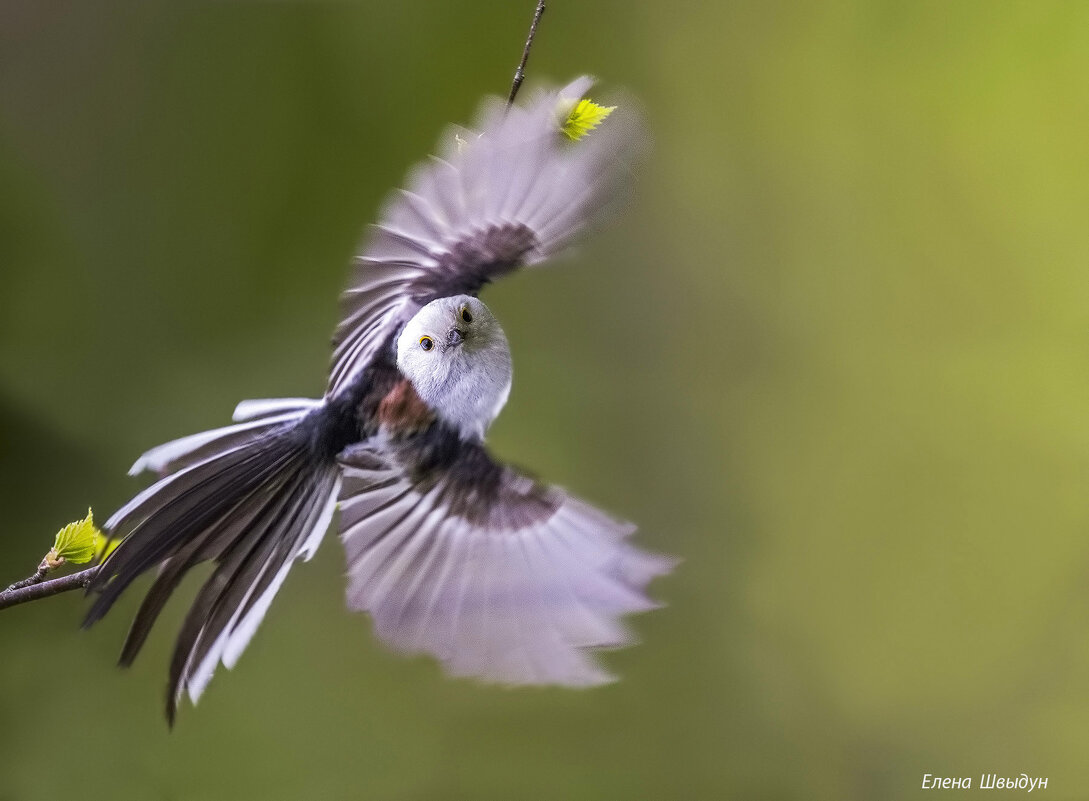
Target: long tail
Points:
(253, 497)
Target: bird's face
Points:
(456, 356)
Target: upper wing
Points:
(498, 576)
(512, 193)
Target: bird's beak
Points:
(455, 337)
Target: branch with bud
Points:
(77, 543)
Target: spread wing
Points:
(498, 576)
(511, 193)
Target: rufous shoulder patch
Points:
(402, 411)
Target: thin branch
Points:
(520, 73)
(43, 570)
(21, 592)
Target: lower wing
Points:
(499, 577)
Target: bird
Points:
(454, 554)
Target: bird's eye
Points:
(465, 315)
(427, 343)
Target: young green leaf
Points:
(76, 543)
(583, 118)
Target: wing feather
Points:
(497, 576)
(513, 192)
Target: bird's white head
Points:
(456, 356)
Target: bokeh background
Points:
(835, 355)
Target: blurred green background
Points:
(835, 355)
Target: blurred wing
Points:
(510, 194)
(501, 578)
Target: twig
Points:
(520, 73)
(30, 590)
(43, 570)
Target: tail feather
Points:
(240, 605)
(269, 407)
(184, 478)
(166, 582)
(179, 511)
(195, 448)
(201, 641)
(255, 609)
(204, 546)
(254, 498)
